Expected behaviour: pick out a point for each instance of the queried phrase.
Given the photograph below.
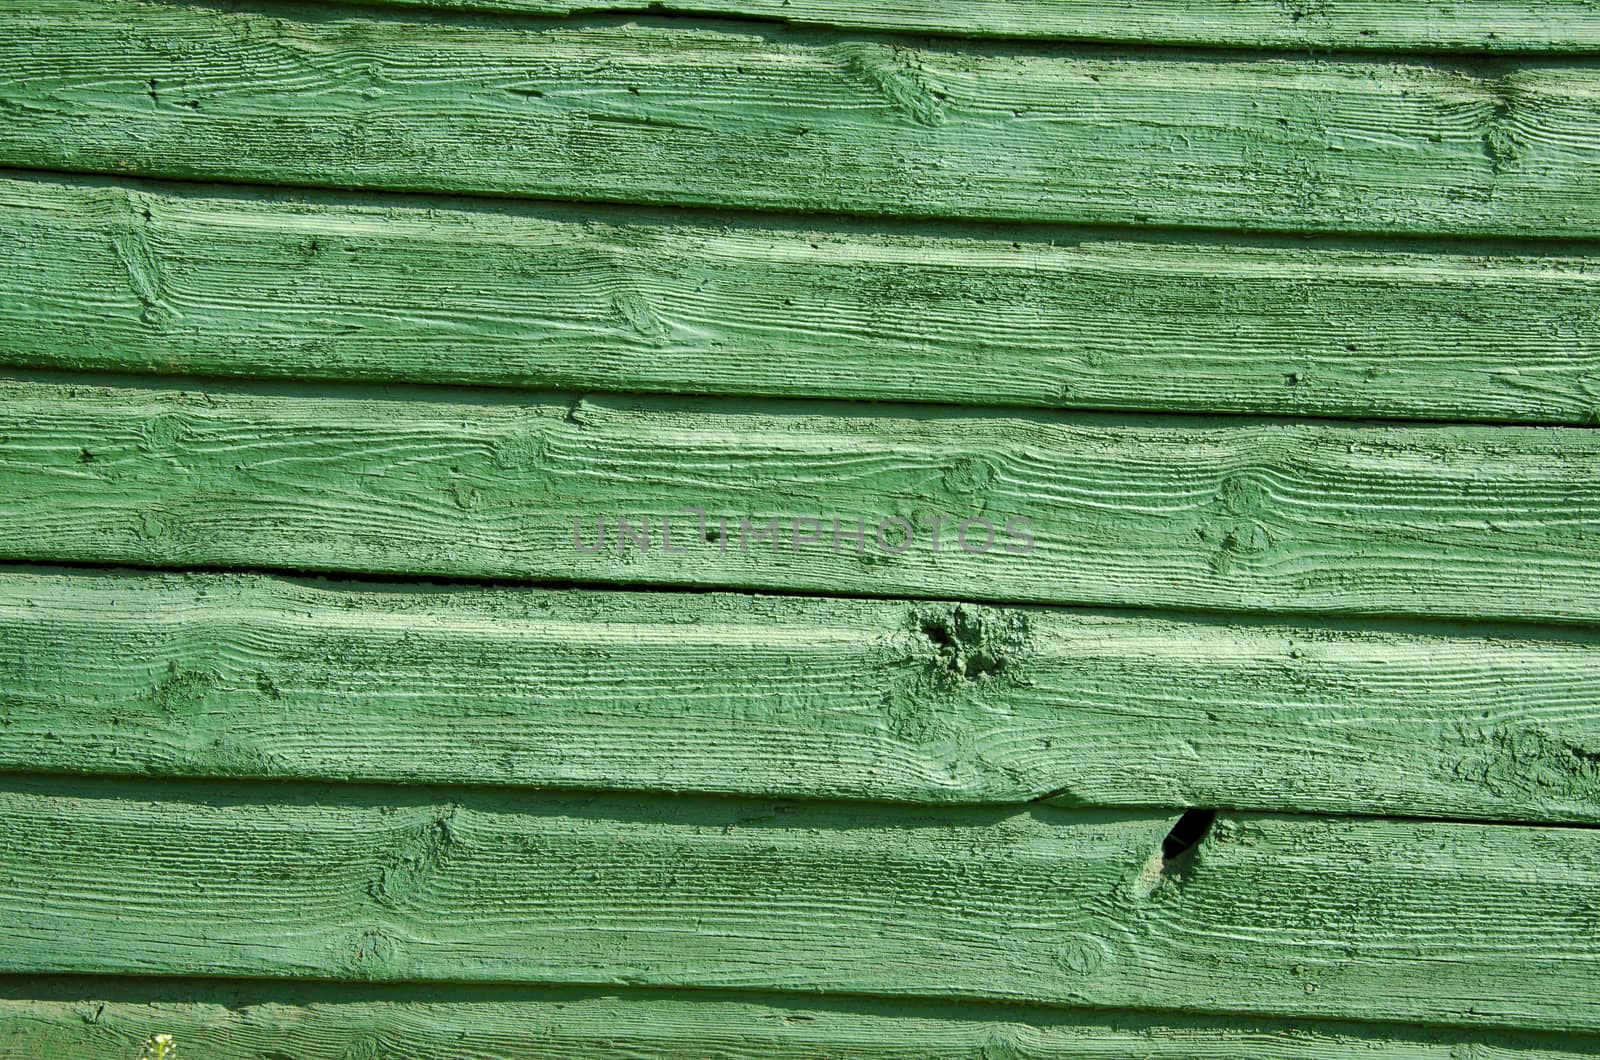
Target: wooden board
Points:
(760, 117)
(1422, 25)
(94, 1019)
(1281, 916)
(1145, 512)
(280, 814)
(141, 277)
(232, 676)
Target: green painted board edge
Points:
(89, 1018)
(111, 275)
(1194, 513)
(229, 676)
(1282, 916)
(750, 116)
(1486, 26)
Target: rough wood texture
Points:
(768, 118)
(498, 821)
(1236, 515)
(242, 283)
(1419, 25)
(232, 676)
(1477, 925)
(109, 1019)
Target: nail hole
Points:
(1169, 864)
(1190, 831)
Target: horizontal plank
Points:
(244, 676)
(1310, 518)
(140, 277)
(96, 1019)
(767, 118)
(1293, 917)
(1489, 26)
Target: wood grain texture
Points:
(237, 676)
(1489, 26)
(1283, 916)
(95, 1019)
(141, 277)
(1310, 518)
(739, 115)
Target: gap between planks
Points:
(96, 1018)
(1568, 28)
(336, 578)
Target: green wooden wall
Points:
(1112, 561)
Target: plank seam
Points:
(1191, 825)
(1525, 629)
(243, 993)
(687, 17)
(837, 407)
(1465, 245)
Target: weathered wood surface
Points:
(244, 283)
(237, 676)
(1473, 522)
(1418, 25)
(735, 115)
(96, 1019)
(1477, 925)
